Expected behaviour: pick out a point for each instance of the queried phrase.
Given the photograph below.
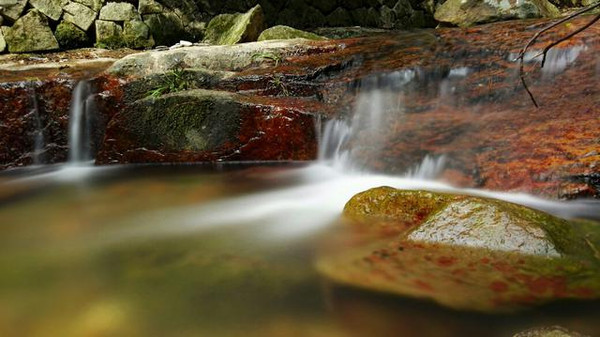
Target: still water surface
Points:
(213, 250)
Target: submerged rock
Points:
(466, 13)
(464, 252)
(286, 33)
(553, 331)
(227, 29)
(30, 33)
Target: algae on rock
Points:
(228, 29)
(463, 252)
(286, 33)
(30, 33)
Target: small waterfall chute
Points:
(82, 113)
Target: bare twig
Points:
(544, 53)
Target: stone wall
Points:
(45, 25)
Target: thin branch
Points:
(521, 56)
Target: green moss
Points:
(197, 120)
(285, 33)
(70, 36)
(229, 29)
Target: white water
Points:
(80, 123)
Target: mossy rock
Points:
(229, 29)
(30, 33)
(192, 120)
(70, 36)
(463, 252)
(287, 33)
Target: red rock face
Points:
(20, 120)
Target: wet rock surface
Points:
(406, 243)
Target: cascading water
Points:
(82, 112)
(38, 135)
(379, 102)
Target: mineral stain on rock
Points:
(463, 252)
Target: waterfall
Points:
(38, 134)
(379, 101)
(82, 112)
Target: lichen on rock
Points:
(30, 33)
(286, 33)
(463, 252)
(228, 29)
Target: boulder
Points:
(166, 28)
(13, 9)
(553, 331)
(467, 13)
(463, 252)
(51, 8)
(119, 11)
(286, 33)
(96, 5)
(195, 120)
(2, 41)
(228, 29)
(30, 33)
(79, 15)
(70, 36)
(107, 31)
(213, 58)
(150, 7)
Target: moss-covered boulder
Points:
(463, 252)
(13, 10)
(287, 33)
(2, 42)
(51, 8)
(228, 29)
(80, 15)
(30, 33)
(195, 120)
(70, 36)
(167, 28)
(466, 13)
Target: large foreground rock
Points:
(464, 252)
(466, 13)
(29, 34)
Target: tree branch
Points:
(544, 53)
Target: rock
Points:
(119, 11)
(228, 29)
(95, 5)
(166, 28)
(461, 13)
(108, 35)
(339, 18)
(70, 36)
(14, 9)
(150, 7)
(463, 252)
(51, 8)
(30, 33)
(2, 41)
(137, 35)
(196, 120)
(79, 15)
(553, 331)
(286, 33)
(213, 58)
